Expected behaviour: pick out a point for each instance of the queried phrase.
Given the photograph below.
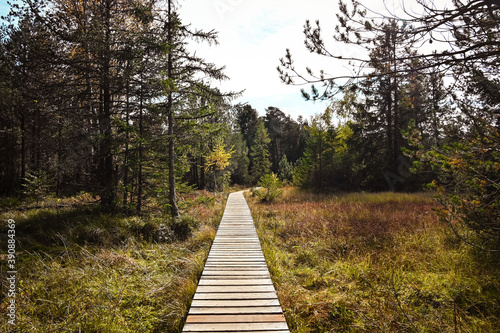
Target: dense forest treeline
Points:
(106, 97)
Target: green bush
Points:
(36, 185)
(467, 184)
(272, 184)
(156, 232)
(9, 202)
(184, 226)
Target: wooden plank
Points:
(226, 233)
(236, 310)
(234, 274)
(239, 246)
(235, 292)
(235, 327)
(232, 237)
(236, 269)
(235, 303)
(236, 246)
(222, 261)
(236, 264)
(239, 255)
(234, 289)
(234, 252)
(237, 228)
(226, 295)
(230, 233)
(237, 258)
(239, 282)
(242, 318)
(237, 240)
(231, 277)
(260, 331)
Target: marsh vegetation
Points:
(374, 263)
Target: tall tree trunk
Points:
(174, 210)
(141, 133)
(215, 180)
(389, 122)
(396, 147)
(202, 173)
(33, 147)
(434, 109)
(23, 148)
(126, 156)
(108, 181)
(389, 102)
(59, 157)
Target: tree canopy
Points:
(445, 101)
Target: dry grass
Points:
(83, 270)
(374, 263)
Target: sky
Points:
(4, 8)
(253, 36)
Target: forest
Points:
(106, 98)
(107, 104)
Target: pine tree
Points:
(239, 162)
(112, 92)
(316, 166)
(182, 82)
(261, 164)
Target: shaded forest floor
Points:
(374, 263)
(81, 269)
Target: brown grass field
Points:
(81, 269)
(374, 263)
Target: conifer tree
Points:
(182, 83)
(112, 91)
(261, 163)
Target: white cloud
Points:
(253, 36)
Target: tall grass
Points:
(84, 270)
(374, 263)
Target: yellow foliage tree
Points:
(218, 159)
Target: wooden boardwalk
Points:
(235, 292)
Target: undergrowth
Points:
(374, 263)
(81, 269)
